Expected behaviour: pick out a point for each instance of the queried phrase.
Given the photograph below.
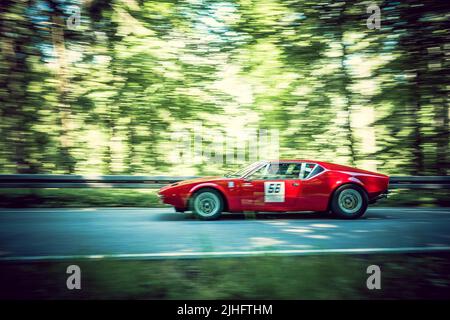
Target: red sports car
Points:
(280, 186)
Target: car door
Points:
(315, 191)
(252, 187)
(275, 187)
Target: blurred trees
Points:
(416, 84)
(106, 96)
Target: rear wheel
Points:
(349, 202)
(207, 204)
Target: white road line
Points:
(224, 254)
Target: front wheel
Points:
(349, 202)
(207, 204)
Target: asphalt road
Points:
(140, 233)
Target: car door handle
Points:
(295, 184)
(247, 184)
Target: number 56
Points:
(274, 188)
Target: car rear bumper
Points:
(382, 195)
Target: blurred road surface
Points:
(140, 233)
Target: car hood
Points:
(198, 180)
(191, 181)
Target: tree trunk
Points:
(348, 105)
(346, 82)
(64, 110)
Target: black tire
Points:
(349, 201)
(207, 204)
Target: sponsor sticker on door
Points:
(273, 191)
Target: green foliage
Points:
(106, 96)
(60, 198)
(263, 277)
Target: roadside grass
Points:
(403, 276)
(57, 198)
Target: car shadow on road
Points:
(250, 216)
(188, 216)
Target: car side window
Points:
(318, 169)
(292, 171)
(259, 174)
(309, 170)
(278, 171)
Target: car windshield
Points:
(246, 170)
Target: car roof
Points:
(326, 165)
(322, 163)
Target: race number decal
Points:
(273, 191)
